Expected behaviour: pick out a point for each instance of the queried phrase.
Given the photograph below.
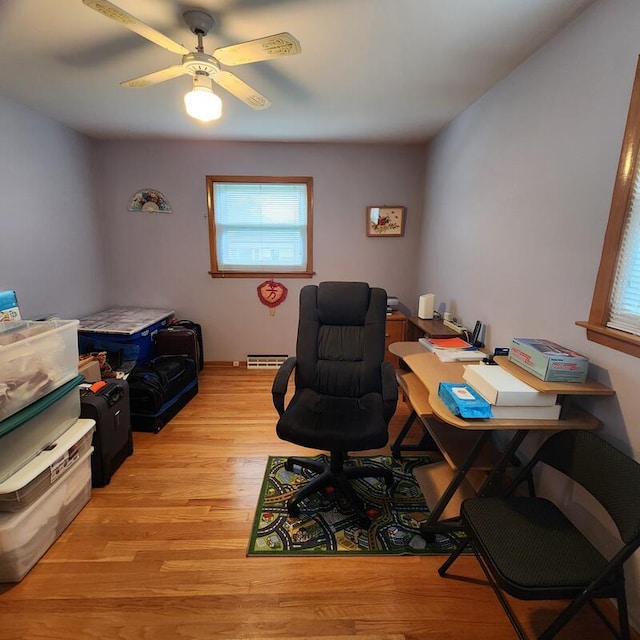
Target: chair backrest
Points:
(341, 338)
(612, 477)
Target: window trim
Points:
(596, 326)
(217, 273)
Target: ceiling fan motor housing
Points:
(199, 22)
(200, 63)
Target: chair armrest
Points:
(281, 382)
(389, 390)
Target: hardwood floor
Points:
(160, 552)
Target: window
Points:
(260, 225)
(614, 320)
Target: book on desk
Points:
(452, 349)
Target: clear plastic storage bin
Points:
(26, 433)
(26, 535)
(35, 358)
(48, 467)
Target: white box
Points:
(26, 433)
(48, 467)
(505, 412)
(497, 386)
(35, 359)
(26, 535)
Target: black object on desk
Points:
(475, 336)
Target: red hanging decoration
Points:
(271, 294)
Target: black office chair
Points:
(345, 393)
(527, 547)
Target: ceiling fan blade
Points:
(241, 90)
(279, 44)
(110, 10)
(154, 78)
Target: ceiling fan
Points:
(201, 102)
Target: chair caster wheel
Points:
(364, 522)
(288, 465)
(428, 536)
(294, 511)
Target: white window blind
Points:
(261, 226)
(625, 297)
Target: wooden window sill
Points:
(612, 338)
(262, 274)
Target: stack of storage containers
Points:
(45, 449)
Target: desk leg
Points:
(396, 447)
(498, 471)
(426, 443)
(431, 524)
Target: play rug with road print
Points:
(328, 525)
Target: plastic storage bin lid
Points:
(125, 321)
(51, 464)
(43, 508)
(37, 407)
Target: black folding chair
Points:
(529, 549)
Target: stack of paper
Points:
(510, 397)
(459, 355)
(451, 349)
(437, 344)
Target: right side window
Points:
(614, 320)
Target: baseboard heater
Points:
(265, 361)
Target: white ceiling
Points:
(370, 70)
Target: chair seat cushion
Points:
(349, 424)
(532, 549)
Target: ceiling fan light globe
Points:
(202, 104)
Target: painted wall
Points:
(49, 240)
(162, 260)
(517, 199)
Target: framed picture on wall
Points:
(385, 221)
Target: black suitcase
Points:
(112, 442)
(178, 340)
(189, 324)
(159, 389)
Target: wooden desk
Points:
(395, 331)
(465, 444)
(418, 328)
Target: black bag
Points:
(178, 340)
(198, 329)
(112, 442)
(159, 389)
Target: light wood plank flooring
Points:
(160, 553)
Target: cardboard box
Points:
(499, 387)
(89, 367)
(548, 361)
